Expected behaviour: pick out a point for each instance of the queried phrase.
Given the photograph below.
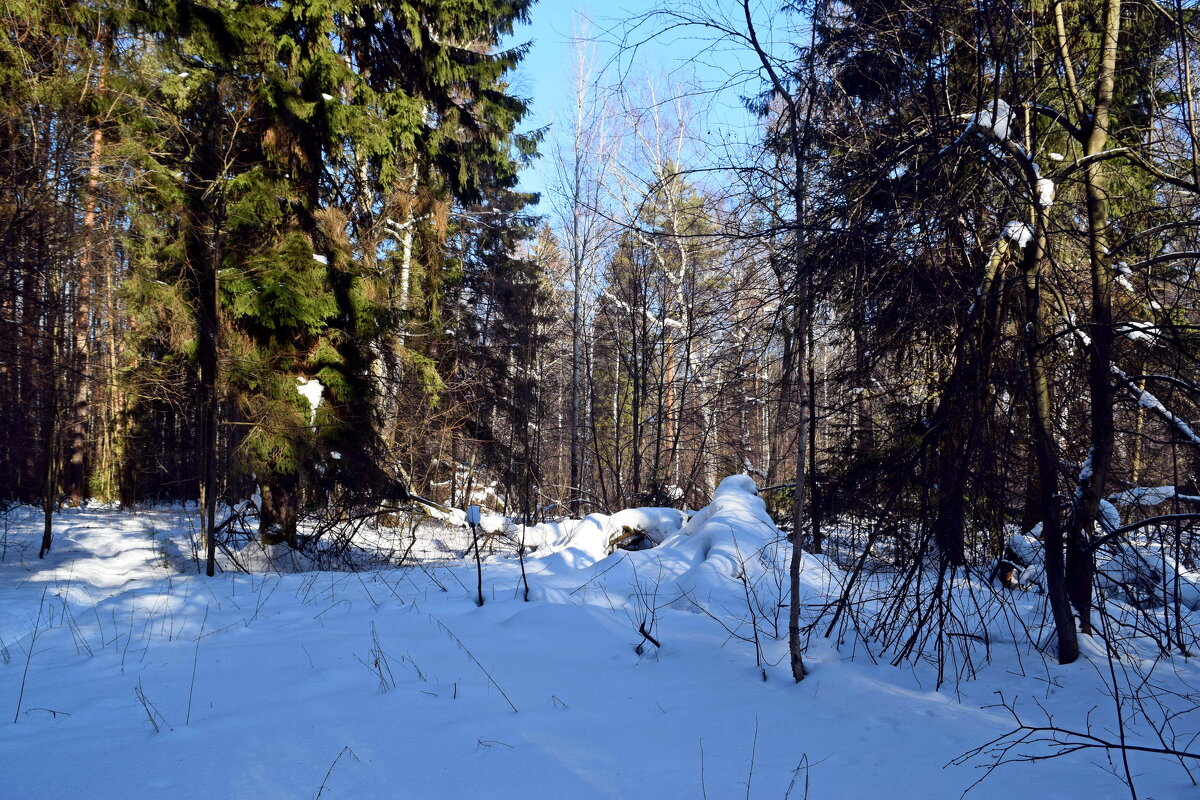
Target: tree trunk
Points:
(280, 512)
(1093, 478)
(49, 441)
(75, 473)
(1041, 426)
(800, 339)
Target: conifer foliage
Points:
(280, 160)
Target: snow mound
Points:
(1145, 574)
(698, 563)
(731, 538)
(595, 536)
(726, 539)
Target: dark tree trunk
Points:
(1041, 425)
(280, 512)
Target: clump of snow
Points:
(1110, 518)
(1136, 330)
(1137, 572)
(311, 390)
(454, 516)
(320, 259)
(1045, 190)
(1019, 233)
(1026, 546)
(1151, 403)
(591, 538)
(994, 120)
(1150, 496)
(1027, 551)
(1123, 274)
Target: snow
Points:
(311, 390)
(1133, 329)
(1026, 546)
(320, 259)
(661, 322)
(591, 539)
(391, 682)
(1123, 274)
(1110, 517)
(1150, 496)
(1018, 233)
(994, 120)
(1045, 190)
(1151, 403)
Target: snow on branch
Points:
(663, 322)
(1137, 331)
(1045, 191)
(994, 121)
(1018, 233)
(1151, 403)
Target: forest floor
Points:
(125, 674)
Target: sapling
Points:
(473, 521)
(521, 556)
(802, 767)
(4, 542)
(753, 753)
(81, 642)
(647, 614)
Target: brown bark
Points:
(280, 512)
(1092, 480)
(1041, 427)
(76, 467)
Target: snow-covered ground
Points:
(125, 674)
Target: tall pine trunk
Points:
(76, 468)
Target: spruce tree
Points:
(327, 111)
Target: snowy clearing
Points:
(132, 676)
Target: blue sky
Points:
(545, 74)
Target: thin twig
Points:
(753, 751)
(474, 660)
(195, 662)
(321, 788)
(29, 657)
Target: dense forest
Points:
(835, 336)
(947, 289)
